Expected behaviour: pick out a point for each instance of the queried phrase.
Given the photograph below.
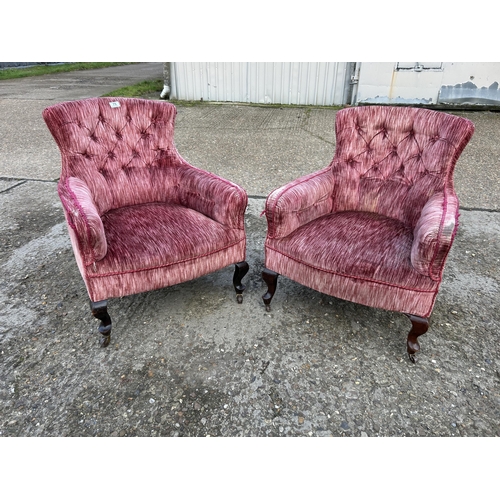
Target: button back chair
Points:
(376, 225)
(139, 216)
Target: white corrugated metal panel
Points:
(322, 84)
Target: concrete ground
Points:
(188, 360)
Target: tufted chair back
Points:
(391, 160)
(120, 147)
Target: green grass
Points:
(152, 88)
(148, 87)
(46, 69)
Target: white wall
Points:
(324, 84)
(428, 83)
(329, 83)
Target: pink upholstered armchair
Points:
(139, 216)
(376, 225)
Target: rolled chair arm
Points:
(434, 233)
(213, 196)
(299, 202)
(82, 216)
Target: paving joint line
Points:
(250, 196)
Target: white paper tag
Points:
(114, 104)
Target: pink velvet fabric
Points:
(140, 217)
(375, 226)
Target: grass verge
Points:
(142, 89)
(46, 69)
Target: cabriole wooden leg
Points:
(419, 327)
(100, 311)
(271, 279)
(240, 269)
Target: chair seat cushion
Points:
(360, 245)
(154, 235)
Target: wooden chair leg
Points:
(271, 279)
(419, 327)
(100, 311)
(240, 269)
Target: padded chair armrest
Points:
(213, 196)
(82, 216)
(434, 233)
(299, 202)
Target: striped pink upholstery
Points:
(139, 216)
(376, 225)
